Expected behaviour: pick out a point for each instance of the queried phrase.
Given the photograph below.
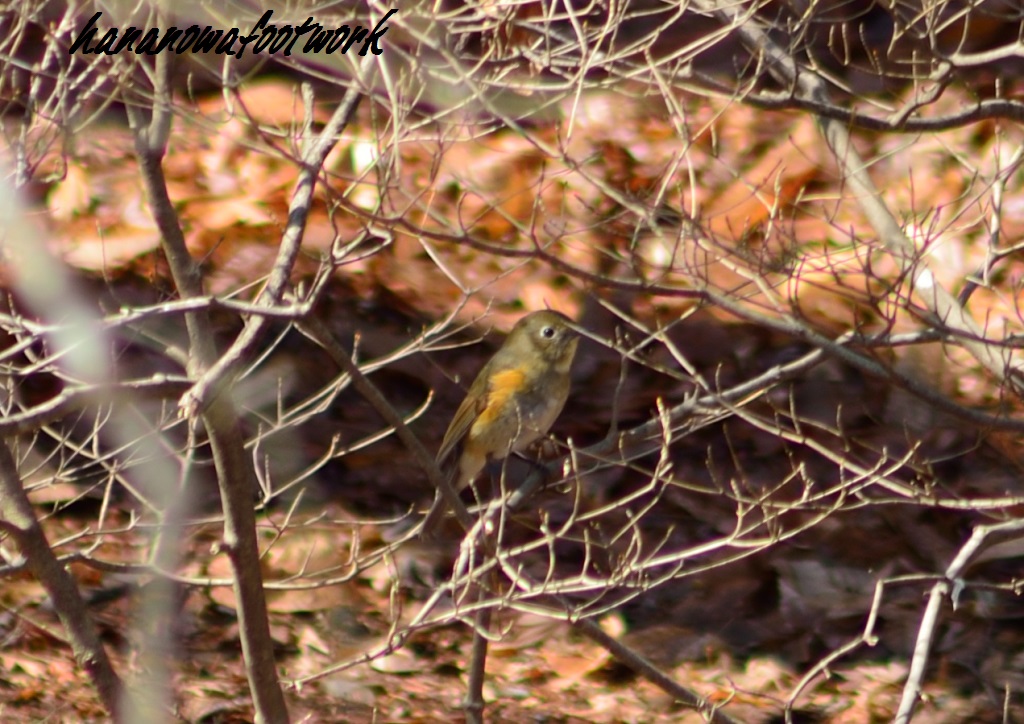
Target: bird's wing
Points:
(474, 403)
(486, 400)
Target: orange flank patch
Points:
(503, 386)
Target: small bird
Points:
(512, 402)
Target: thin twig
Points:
(929, 619)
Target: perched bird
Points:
(512, 402)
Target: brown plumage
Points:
(512, 402)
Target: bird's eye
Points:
(547, 332)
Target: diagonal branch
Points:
(313, 156)
(942, 305)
